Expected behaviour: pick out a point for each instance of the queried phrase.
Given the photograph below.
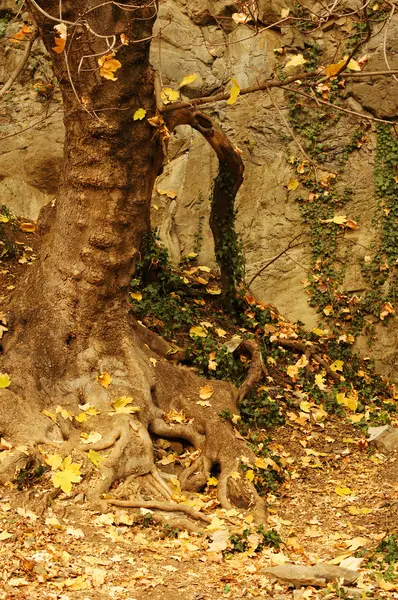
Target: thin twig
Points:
(275, 258)
(340, 108)
(385, 40)
(14, 76)
(290, 130)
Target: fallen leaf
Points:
(249, 475)
(60, 40)
(108, 66)
(69, 473)
(295, 61)
(337, 365)
(188, 79)
(139, 114)
(95, 457)
(293, 184)
(27, 227)
(137, 296)
(4, 380)
(169, 95)
(122, 405)
(320, 381)
(234, 92)
(206, 392)
(343, 491)
(241, 18)
(197, 331)
(104, 379)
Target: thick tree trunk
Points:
(94, 232)
(69, 318)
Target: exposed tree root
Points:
(309, 351)
(128, 467)
(166, 506)
(257, 369)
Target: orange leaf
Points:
(27, 227)
(59, 45)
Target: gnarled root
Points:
(257, 369)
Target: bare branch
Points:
(14, 76)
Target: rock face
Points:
(199, 36)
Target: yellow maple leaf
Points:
(95, 457)
(139, 114)
(249, 475)
(337, 365)
(206, 392)
(69, 473)
(295, 61)
(343, 491)
(305, 406)
(197, 331)
(81, 417)
(122, 405)
(108, 66)
(234, 92)
(188, 79)
(54, 461)
(292, 371)
(4, 380)
(169, 95)
(104, 379)
(137, 296)
(293, 184)
(212, 481)
(320, 381)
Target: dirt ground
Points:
(339, 502)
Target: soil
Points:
(339, 502)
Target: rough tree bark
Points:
(69, 318)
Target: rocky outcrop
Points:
(198, 36)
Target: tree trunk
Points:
(69, 320)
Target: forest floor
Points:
(337, 504)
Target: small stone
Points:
(317, 575)
(385, 438)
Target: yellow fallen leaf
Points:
(122, 405)
(4, 380)
(4, 535)
(206, 392)
(249, 475)
(220, 332)
(137, 296)
(81, 417)
(69, 473)
(139, 114)
(320, 332)
(188, 79)
(197, 331)
(27, 227)
(320, 381)
(95, 457)
(305, 406)
(337, 365)
(60, 40)
(355, 510)
(234, 92)
(343, 491)
(295, 61)
(169, 95)
(212, 481)
(108, 66)
(293, 184)
(54, 461)
(292, 371)
(104, 379)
